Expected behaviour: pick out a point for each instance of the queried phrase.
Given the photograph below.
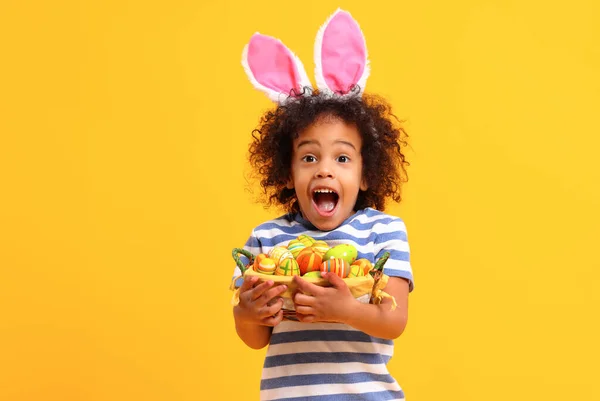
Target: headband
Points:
(341, 64)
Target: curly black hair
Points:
(383, 139)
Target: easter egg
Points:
(365, 264)
(259, 258)
(309, 260)
(266, 266)
(288, 267)
(320, 246)
(356, 271)
(342, 251)
(337, 266)
(279, 254)
(295, 247)
(313, 274)
(307, 240)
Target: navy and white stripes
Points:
(370, 231)
(327, 361)
(332, 361)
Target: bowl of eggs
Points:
(308, 258)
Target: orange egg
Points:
(365, 264)
(309, 260)
(259, 259)
(338, 266)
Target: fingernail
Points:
(269, 282)
(284, 287)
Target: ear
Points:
(290, 183)
(341, 55)
(273, 68)
(363, 184)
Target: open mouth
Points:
(325, 201)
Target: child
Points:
(330, 157)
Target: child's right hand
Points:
(258, 304)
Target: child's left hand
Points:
(323, 304)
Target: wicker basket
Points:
(366, 289)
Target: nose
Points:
(324, 170)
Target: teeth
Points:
(324, 191)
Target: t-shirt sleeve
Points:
(392, 238)
(254, 247)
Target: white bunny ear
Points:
(273, 68)
(341, 55)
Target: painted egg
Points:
(288, 267)
(356, 271)
(365, 264)
(337, 266)
(259, 258)
(266, 266)
(343, 251)
(307, 240)
(309, 260)
(279, 254)
(314, 274)
(295, 247)
(321, 247)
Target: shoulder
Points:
(376, 220)
(284, 225)
(283, 221)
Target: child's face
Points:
(327, 172)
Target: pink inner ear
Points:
(272, 64)
(343, 53)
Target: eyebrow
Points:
(311, 142)
(346, 143)
(306, 142)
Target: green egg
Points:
(343, 251)
(313, 274)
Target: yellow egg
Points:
(279, 254)
(267, 266)
(288, 267)
(320, 246)
(307, 240)
(365, 264)
(295, 247)
(356, 271)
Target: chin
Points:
(327, 225)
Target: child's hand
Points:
(323, 304)
(258, 304)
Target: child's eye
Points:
(343, 159)
(309, 159)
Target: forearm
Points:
(253, 335)
(378, 320)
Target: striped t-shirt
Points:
(332, 361)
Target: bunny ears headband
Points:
(341, 64)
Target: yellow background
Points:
(124, 128)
